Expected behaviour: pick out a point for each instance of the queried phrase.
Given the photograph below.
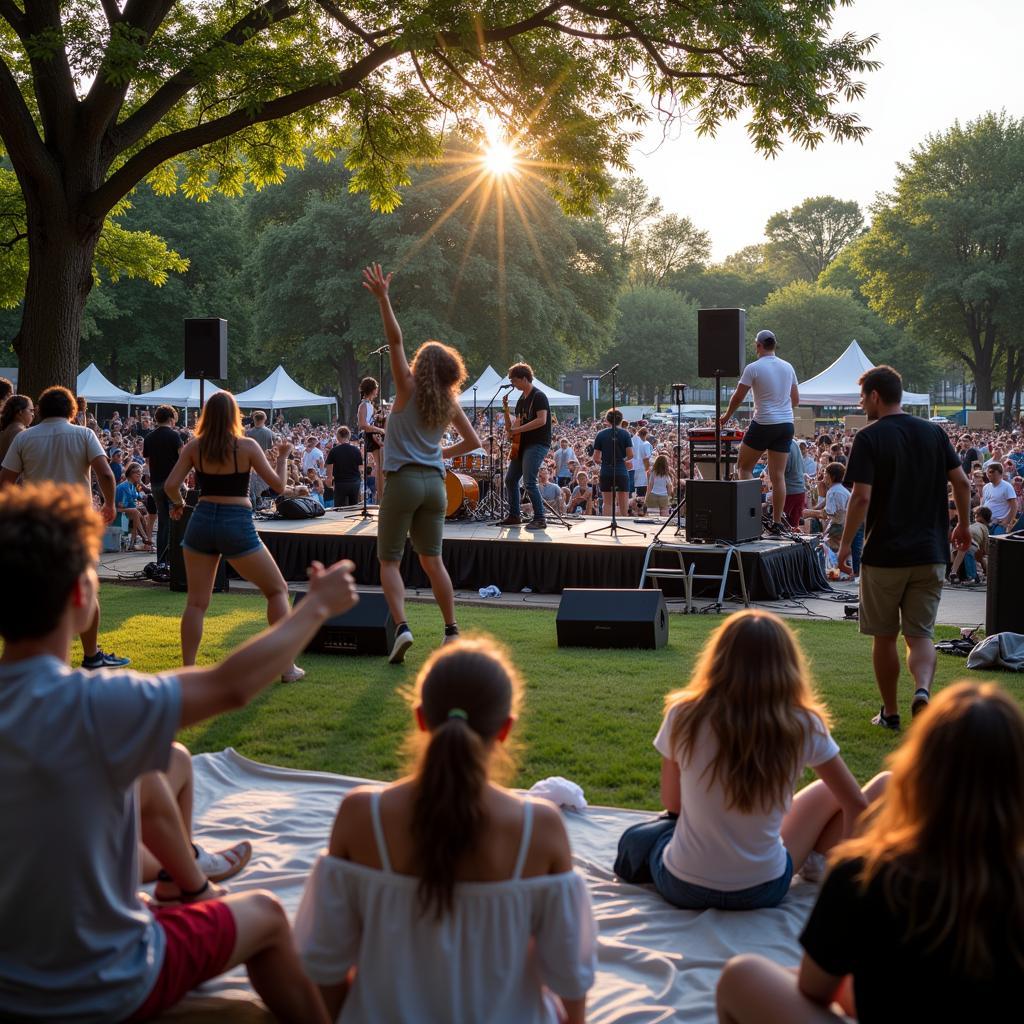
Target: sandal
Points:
(223, 864)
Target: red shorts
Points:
(199, 940)
(793, 508)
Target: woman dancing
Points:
(414, 501)
(443, 896)
(221, 524)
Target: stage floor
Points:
(545, 561)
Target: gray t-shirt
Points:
(410, 442)
(795, 470)
(76, 945)
(54, 450)
(263, 436)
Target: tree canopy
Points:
(98, 95)
(810, 236)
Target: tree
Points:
(810, 236)
(629, 208)
(98, 95)
(945, 253)
(670, 245)
(721, 287)
(655, 340)
(544, 289)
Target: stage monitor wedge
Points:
(723, 510)
(366, 628)
(206, 348)
(721, 342)
(1004, 609)
(612, 618)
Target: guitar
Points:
(513, 452)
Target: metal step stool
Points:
(729, 555)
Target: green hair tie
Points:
(458, 713)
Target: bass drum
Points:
(463, 494)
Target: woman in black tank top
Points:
(221, 525)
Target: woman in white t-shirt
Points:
(734, 743)
(660, 486)
(444, 897)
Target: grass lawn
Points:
(589, 715)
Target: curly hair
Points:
(438, 373)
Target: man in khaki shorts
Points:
(899, 467)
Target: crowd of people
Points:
(445, 878)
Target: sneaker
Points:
(511, 521)
(887, 721)
(403, 641)
(920, 702)
(293, 675)
(815, 867)
(104, 659)
(776, 530)
(537, 524)
(450, 638)
(224, 864)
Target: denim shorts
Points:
(226, 530)
(688, 896)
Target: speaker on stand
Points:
(206, 351)
(721, 343)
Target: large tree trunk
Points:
(347, 371)
(1014, 377)
(59, 282)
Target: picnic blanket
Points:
(656, 963)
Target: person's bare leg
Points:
(777, 475)
(623, 499)
(921, 660)
(746, 460)
(260, 569)
(180, 780)
(200, 570)
(755, 990)
(264, 943)
(90, 636)
(441, 585)
(886, 661)
(394, 589)
(164, 835)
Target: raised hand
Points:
(334, 587)
(375, 281)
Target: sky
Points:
(942, 60)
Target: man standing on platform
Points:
(773, 383)
(899, 467)
(533, 428)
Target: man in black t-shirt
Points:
(612, 448)
(899, 467)
(161, 449)
(533, 427)
(343, 462)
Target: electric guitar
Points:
(516, 439)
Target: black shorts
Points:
(621, 481)
(768, 437)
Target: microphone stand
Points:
(497, 499)
(613, 527)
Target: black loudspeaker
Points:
(721, 342)
(179, 581)
(727, 510)
(206, 348)
(612, 618)
(366, 628)
(1004, 608)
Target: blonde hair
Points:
(219, 427)
(946, 841)
(749, 686)
(438, 373)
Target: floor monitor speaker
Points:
(612, 618)
(366, 628)
(206, 348)
(175, 555)
(723, 510)
(721, 342)
(1004, 609)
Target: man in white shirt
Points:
(642, 450)
(313, 458)
(773, 383)
(999, 496)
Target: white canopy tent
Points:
(279, 391)
(181, 392)
(488, 386)
(94, 387)
(837, 384)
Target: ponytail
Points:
(466, 693)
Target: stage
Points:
(547, 561)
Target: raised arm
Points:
(470, 440)
(276, 478)
(376, 282)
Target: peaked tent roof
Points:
(94, 387)
(837, 384)
(279, 391)
(181, 392)
(488, 387)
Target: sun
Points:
(500, 158)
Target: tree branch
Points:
(51, 75)
(112, 11)
(14, 17)
(32, 163)
(12, 242)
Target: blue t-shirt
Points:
(613, 461)
(117, 468)
(76, 945)
(126, 495)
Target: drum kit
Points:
(468, 477)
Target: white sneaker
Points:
(815, 867)
(293, 675)
(223, 864)
(403, 641)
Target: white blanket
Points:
(656, 963)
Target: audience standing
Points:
(161, 449)
(16, 415)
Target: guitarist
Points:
(531, 442)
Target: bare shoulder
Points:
(550, 852)
(352, 819)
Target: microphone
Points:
(377, 352)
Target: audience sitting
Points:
(733, 743)
(129, 502)
(72, 745)
(922, 912)
(444, 897)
